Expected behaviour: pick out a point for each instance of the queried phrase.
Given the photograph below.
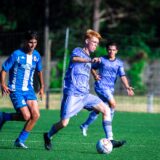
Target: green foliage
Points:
(100, 51)
(135, 75)
(5, 24)
(57, 73)
(55, 81)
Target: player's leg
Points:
(2, 120)
(53, 130)
(106, 119)
(70, 106)
(30, 113)
(112, 104)
(106, 97)
(91, 118)
(19, 142)
(17, 116)
(4, 117)
(107, 125)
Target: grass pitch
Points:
(141, 130)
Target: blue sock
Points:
(52, 131)
(23, 136)
(107, 126)
(7, 116)
(92, 117)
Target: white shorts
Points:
(72, 104)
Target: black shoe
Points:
(117, 144)
(47, 142)
(2, 121)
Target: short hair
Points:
(91, 33)
(31, 35)
(112, 44)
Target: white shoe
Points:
(19, 144)
(84, 130)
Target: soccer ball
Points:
(104, 146)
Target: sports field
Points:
(141, 130)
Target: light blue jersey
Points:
(109, 70)
(76, 87)
(76, 80)
(21, 67)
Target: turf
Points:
(141, 130)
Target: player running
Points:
(109, 68)
(76, 91)
(21, 66)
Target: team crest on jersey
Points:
(35, 58)
(23, 101)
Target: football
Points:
(104, 146)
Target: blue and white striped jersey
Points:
(76, 81)
(21, 67)
(109, 70)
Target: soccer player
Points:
(21, 65)
(76, 91)
(109, 69)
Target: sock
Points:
(107, 126)
(52, 131)
(92, 117)
(23, 136)
(112, 113)
(7, 116)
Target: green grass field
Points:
(141, 130)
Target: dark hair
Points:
(112, 44)
(31, 35)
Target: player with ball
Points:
(109, 68)
(76, 90)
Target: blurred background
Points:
(134, 25)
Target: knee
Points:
(36, 116)
(112, 104)
(27, 116)
(65, 123)
(106, 110)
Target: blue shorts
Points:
(19, 98)
(72, 104)
(105, 95)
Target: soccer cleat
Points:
(117, 144)
(19, 144)
(2, 121)
(47, 142)
(84, 130)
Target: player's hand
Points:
(5, 90)
(95, 60)
(97, 77)
(130, 91)
(41, 93)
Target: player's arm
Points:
(128, 88)
(95, 74)
(5, 89)
(41, 91)
(83, 60)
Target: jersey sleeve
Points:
(7, 65)
(121, 71)
(76, 53)
(39, 64)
